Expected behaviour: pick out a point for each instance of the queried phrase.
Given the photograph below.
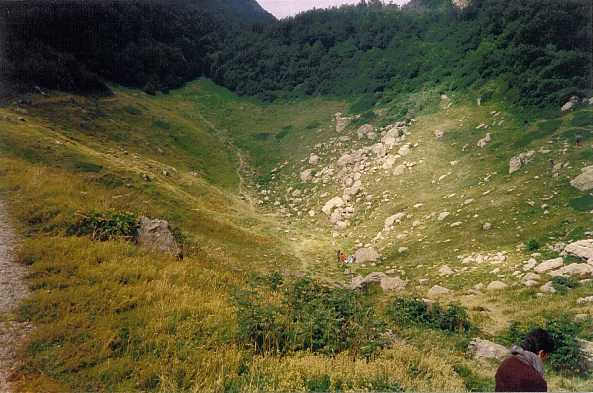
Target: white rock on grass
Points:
(548, 265)
(519, 161)
(438, 290)
(487, 226)
(314, 159)
(442, 216)
(484, 349)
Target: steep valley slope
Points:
(426, 202)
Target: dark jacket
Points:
(515, 376)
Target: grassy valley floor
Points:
(223, 171)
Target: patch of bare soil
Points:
(12, 291)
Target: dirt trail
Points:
(12, 291)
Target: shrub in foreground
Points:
(409, 312)
(305, 315)
(104, 226)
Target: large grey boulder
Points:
(366, 254)
(156, 235)
(574, 269)
(584, 181)
(484, 349)
(581, 249)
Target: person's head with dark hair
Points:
(539, 342)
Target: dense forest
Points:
(156, 45)
(540, 49)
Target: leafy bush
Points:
(307, 317)
(568, 356)
(452, 318)
(533, 245)
(563, 284)
(104, 226)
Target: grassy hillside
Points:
(112, 316)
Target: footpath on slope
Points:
(12, 291)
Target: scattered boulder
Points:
(485, 141)
(442, 216)
(584, 181)
(519, 161)
(548, 265)
(156, 235)
(314, 159)
(484, 349)
(306, 175)
(548, 288)
(386, 283)
(585, 300)
(399, 170)
(366, 254)
(364, 130)
(439, 134)
(530, 264)
(341, 123)
(437, 290)
(396, 218)
(570, 104)
(332, 204)
(496, 286)
(445, 270)
(487, 226)
(581, 249)
(587, 350)
(345, 159)
(404, 150)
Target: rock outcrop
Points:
(156, 235)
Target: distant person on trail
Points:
(579, 140)
(523, 371)
(341, 257)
